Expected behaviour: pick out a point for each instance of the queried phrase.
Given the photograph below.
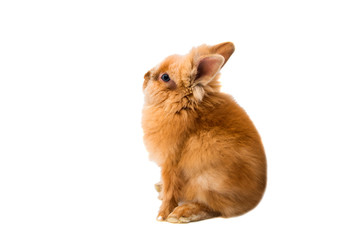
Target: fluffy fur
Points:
(211, 155)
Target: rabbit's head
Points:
(181, 82)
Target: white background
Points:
(72, 161)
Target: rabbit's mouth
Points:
(144, 86)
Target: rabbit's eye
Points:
(165, 77)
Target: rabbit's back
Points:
(224, 156)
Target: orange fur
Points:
(211, 155)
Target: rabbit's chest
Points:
(163, 142)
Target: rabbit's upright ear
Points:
(208, 67)
(224, 49)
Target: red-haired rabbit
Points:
(211, 155)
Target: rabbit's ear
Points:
(225, 49)
(208, 67)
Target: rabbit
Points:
(211, 156)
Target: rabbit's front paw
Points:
(166, 208)
(190, 212)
